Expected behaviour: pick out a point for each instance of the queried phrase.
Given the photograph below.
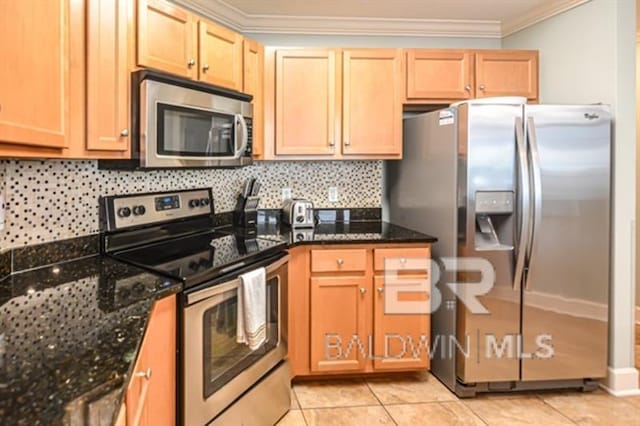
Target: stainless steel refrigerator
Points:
(525, 188)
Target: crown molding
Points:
(538, 14)
(243, 22)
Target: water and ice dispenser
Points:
(494, 220)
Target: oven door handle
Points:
(230, 285)
(245, 136)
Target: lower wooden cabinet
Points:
(338, 321)
(151, 396)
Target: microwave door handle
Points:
(245, 136)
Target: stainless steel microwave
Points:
(178, 123)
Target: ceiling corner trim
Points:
(238, 20)
(538, 14)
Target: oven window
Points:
(224, 358)
(190, 132)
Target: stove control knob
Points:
(124, 212)
(139, 210)
(194, 203)
(204, 202)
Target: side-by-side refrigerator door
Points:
(490, 149)
(565, 294)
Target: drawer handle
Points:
(403, 260)
(144, 374)
(363, 290)
(380, 290)
(340, 262)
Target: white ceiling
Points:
(468, 18)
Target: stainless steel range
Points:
(174, 234)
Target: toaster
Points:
(297, 213)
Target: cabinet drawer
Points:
(338, 260)
(402, 259)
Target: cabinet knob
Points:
(340, 262)
(363, 290)
(481, 87)
(467, 88)
(403, 260)
(380, 290)
(205, 67)
(191, 62)
(124, 132)
(144, 374)
(347, 143)
(332, 143)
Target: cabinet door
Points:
(339, 313)
(253, 85)
(306, 96)
(372, 102)
(220, 56)
(34, 72)
(167, 38)
(108, 99)
(434, 74)
(151, 396)
(507, 73)
(401, 341)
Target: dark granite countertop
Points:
(69, 336)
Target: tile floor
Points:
(420, 399)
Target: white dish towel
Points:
(252, 309)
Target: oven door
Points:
(183, 127)
(217, 369)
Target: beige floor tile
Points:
(412, 388)
(294, 401)
(334, 393)
(437, 413)
(347, 416)
(292, 418)
(520, 411)
(635, 400)
(595, 409)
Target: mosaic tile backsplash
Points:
(54, 200)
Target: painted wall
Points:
(587, 54)
(373, 41)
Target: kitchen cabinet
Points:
(220, 54)
(372, 94)
(253, 84)
(151, 395)
(442, 76)
(109, 47)
(37, 53)
(506, 73)
(338, 320)
(167, 38)
(439, 74)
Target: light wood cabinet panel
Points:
(167, 38)
(34, 73)
(506, 73)
(401, 259)
(108, 102)
(220, 56)
(151, 396)
(253, 84)
(372, 102)
(401, 341)
(445, 74)
(339, 311)
(306, 96)
(349, 260)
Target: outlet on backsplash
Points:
(333, 194)
(1, 211)
(286, 193)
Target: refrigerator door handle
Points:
(525, 210)
(537, 190)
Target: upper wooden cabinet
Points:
(439, 74)
(443, 76)
(167, 38)
(253, 84)
(372, 102)
(306, 101)
(220, 55)
(109, 47)
(506, 73)
(35, 88)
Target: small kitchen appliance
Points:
(298, 213)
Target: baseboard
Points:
(621, 382)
